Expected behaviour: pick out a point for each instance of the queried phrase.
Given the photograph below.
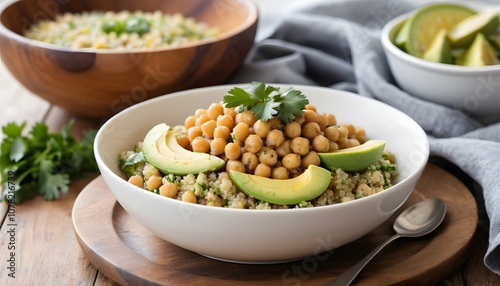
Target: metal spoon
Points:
(418, 220)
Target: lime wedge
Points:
(440, 49)
(428, 21)
(485, 22)
(355, 158)
(495, 41)
(402, 36)
(480, 53)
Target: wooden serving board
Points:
(129, 254)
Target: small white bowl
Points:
(262, 236)
(474, 90)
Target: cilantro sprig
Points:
(267, 101)
(42, 163)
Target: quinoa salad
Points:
(120, 30)
(261, 146)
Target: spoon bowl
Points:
(421, 218)
(418, 220)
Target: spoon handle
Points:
(348, 276)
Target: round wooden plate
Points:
(129, 254)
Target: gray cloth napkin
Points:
(337, 44)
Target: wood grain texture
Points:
(17, 104)
(44, 238)
(45, 244)
(98, 84)
(129, 254)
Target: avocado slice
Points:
(307, 186)
(440, 49)
(485, 22)
(425, 23)
(480, 53)
(163, 152)
(354, 158)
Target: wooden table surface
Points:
(47, 252)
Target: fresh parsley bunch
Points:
(42, 163)
(267, 101)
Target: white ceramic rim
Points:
(251, 19)
(348, 204)
(431, 66)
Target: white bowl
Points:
(261, 236)
(474, 90)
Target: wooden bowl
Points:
(99, 83)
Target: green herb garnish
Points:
(267, 101)
(42, 163)
(130, 164)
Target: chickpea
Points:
(268, 156)
(292, 129)
(235, 165)
(342, 143)
(351, 142)
(262, 128)
(284, 148)
(222, 132)
(343, 132)
(202, 119)
(276, 123)
(194, 132)
(299, 119)
(350, 128)
(291, 161)
(320, 144)
(153, 182)
(280, 173)
(189, 197)
(332, 146)
(310, 158)
(310, 116)
(136, 180)
(183, 140)
(169, 190)
(275, 138)
(360, 134)
(311, 130)
(250, 161)
(300, 146)
(214, 110)
(262, 170)
(217, 146)
(232, 151)
(230, 111)
(322, 121)
(208, 128)
(310, 107)
(253, 143)
(190, 121)
(225, 120)
(200, 145)
(198, 112)
(332, 133)
(246, 116)
(331, 120)
(241, 132)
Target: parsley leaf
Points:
(293, 103)
(267, 101)
(42, 163)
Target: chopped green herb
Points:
(42, 163)
(131, 164)
(267, 101)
